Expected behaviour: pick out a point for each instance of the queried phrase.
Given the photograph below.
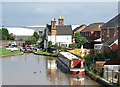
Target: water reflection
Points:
(39, 70)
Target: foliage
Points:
(61, 50)
(84, 40)
(78, 39)
(49, 43)
(106, 55)
(73, 45)
(5, 34)
(31, 40)
(21, 39)
(11, 36)
(36, 35)
(53, 46)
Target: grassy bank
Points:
(46, 53)
(4, 51)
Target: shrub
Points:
(73, 45)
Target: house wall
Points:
(93, 35)
(63, 39)
(114, 47)
(112, 32)
(118, 43)
(80, 29)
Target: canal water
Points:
(30, 69)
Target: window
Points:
(89, 33)
(115, 31)
(95, 33)
(103, 32)
(108, 33)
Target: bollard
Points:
(112, 76)
(107, 74)
(118, 77)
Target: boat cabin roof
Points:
(69, 55)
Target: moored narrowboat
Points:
(71, 63)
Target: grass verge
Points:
(4, 51)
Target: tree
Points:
(73, 45)
(11, 37)
(21, 39)
(5, 34)
(31, 40)
(78, 39)
(84, 40)
(50, 43)
(36, 35)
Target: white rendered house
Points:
(59, 34)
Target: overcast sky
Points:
(40, 13)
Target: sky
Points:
(41, 13)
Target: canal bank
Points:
(98, 79)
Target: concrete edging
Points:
(98, 79)
(11, 55)
(45, 54)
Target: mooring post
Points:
(118, 77)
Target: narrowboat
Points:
(71, 63)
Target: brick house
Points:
(92, 32)
(59, 34)
(78, 29)
(109, 33)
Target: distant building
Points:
(92, 32)
(20, 32)
(59, 34)
(39, 29)
(79, 28)
(110, 34)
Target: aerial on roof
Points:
(114, 22)
(111, 41)
(93, 27)
(61, 29)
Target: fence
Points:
(110, 75)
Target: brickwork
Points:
(119, 43)
(6, 42)
(112, 32)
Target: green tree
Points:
(73, 45)
(78, 40)
(36, 35)
(84, 40)
(50, 43)
(31, 40)
(11, 37)
(21, 39)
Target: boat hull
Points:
(61, 65)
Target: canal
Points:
(30, 69)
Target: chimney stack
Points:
(53, 26)
(53, 23)
(61, 21)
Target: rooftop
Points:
(93, 27)
(114, 22)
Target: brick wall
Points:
(119, 43)
(112, 32)
(93, 35)
(80, 29)
(6, 42)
